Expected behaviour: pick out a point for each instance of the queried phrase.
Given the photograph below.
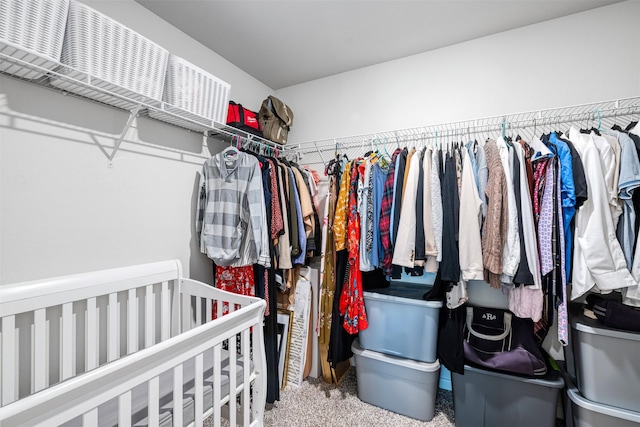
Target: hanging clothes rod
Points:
(245, 139)
(542, 119)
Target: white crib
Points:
(121, 346)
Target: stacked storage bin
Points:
(396, 363)
(486, 398)
(606, 365)
(32, 32)
(192, 92)
(99, 52)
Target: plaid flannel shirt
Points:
(385, 216)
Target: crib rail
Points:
(54, 329)
(81, 396)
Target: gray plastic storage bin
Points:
(582, 412)
(489, 399)
(585, 413)
(481, 294)
(400, 385)
(401, 323)
(607, 363)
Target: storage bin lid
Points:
(582, 323)
(552, 379)
(394, 360)
(403, 293)
(612, 411)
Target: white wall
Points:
(63, 210)
(586, 57)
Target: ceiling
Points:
(286, 42)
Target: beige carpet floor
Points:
(316, 403)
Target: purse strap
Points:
(507, 327)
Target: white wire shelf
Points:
(79, 84)
(598, 114)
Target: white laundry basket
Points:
(103, 53)
(33, 32)
(192, 92)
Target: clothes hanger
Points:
(385, 150)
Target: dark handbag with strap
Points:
(499, 340)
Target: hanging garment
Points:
(284, 241)
(398, 182)
(483, 176)
(296, 226)
(528, 225)
(430, 250)
(239, 280)
(523, 274)
(450, 265)
(351, 298)
(494, 230)
(340, 340)
(365, 211)
(567, 194)
(598, 258)
(277, 222)
(340, 219)
(404, 252)
(231, 224)
(436, 203)
(386, 217)
(561, 285)
(511, 252)
(420, 255)
(379, 178)
(327, 268)
(629, 180)
(470, 222)
(306, 209)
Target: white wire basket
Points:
(192, 92)
(32, 31)
(104, 53)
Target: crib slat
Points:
(209, 312)
(132, 322)
(9, 368)
(165, 332)
(112, 329)
(177, 396)
(220, 307)
(67, 341)
(198, 311)
(154, 401)
(124, 409)
(149, 317)
(217, 369)
(233, 368)
(246, 367)
(90, 418)
(92, 335)
(186, 313)
(39, 351)
(199, 393)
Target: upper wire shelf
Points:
(67, 80)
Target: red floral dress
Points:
(352, 299)
(238, 280)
